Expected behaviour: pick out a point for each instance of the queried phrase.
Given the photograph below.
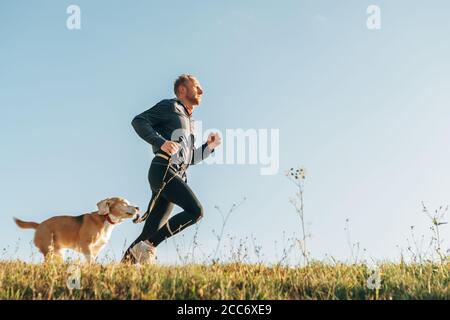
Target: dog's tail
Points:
(26, 224)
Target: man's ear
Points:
(103, 207)
(182, 90)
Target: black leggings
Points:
(158, 226)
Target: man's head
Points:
(188, 89)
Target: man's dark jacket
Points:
(169, 120)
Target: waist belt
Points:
(162, 156)
(178, 167)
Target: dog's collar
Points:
(108, 218)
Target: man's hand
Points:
(214, 140)
(170, 147)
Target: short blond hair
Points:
(181, 80)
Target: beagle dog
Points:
(87, 233)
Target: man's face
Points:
(193, 91)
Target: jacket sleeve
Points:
(145, 122)
(201, 153)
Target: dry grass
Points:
(20, 280)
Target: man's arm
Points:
(201, 153)
(207, 148)
(143, 124)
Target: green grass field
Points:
(20, 280)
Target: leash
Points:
(152, 203)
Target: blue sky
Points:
(366, 112)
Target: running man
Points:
(168, 127)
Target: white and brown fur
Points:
(87, 233)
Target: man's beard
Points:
(193, 100)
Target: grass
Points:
(425, 276)
(20, 280)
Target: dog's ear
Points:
(103, 207)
